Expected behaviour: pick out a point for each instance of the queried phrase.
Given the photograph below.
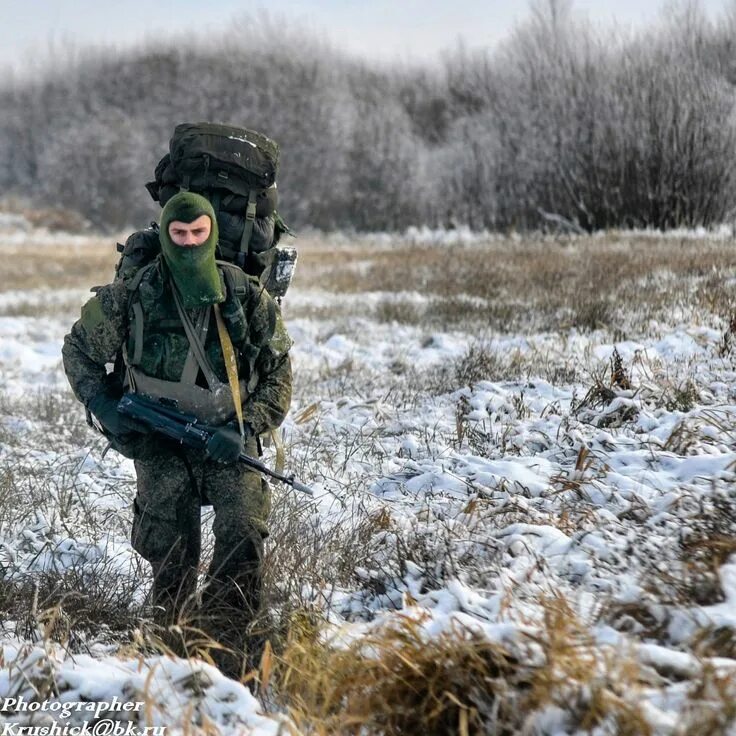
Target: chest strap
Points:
(195, 344)
(191, 365)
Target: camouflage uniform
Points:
(174, 482)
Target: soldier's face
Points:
(190, 234)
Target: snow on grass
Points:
(537, 488)
(180, 695)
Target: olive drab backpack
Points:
(236, 169)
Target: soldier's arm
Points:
(269, 402)
(94, 340)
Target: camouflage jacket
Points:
(253, 320)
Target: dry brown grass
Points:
(50, 248)
(508, 265)
(397, 681)
(54, 219)
(84, 262)
(590, 685)
(537, 282)
(711, 704)
(585, 282)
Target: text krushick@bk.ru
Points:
(105, 727)
(91, 711)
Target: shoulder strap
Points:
(239, 276)
(271, 308)
(137, 321)
(135, 359)
(250, 216)
(135, 282)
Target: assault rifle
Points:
(187, 430)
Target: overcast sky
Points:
(382, 29)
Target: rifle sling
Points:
(231, 364)
(280, 452)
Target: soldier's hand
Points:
(225, 445)
(105, 407)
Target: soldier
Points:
(165, 320)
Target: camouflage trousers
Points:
(173, 484)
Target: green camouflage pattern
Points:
(254, 323)
(173, 482)
(172, 486)
(95, 340)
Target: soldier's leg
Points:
(232, 596)
(166, 530)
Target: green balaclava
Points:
(193, 268)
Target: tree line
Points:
(560, 123)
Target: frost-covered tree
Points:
(559, 122)
(86, 168)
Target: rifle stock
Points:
(187, 430)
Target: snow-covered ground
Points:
(489, 479)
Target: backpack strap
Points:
(240, 278)
(135, 282)
(135, 359)
(250, 216)
(137, 322)
(215, 200)
(271, 308)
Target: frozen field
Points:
(525, 458)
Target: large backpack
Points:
(236, 169)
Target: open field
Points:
(524, 451)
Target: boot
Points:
(228, 608)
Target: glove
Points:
(225, 445)
(105, 407)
